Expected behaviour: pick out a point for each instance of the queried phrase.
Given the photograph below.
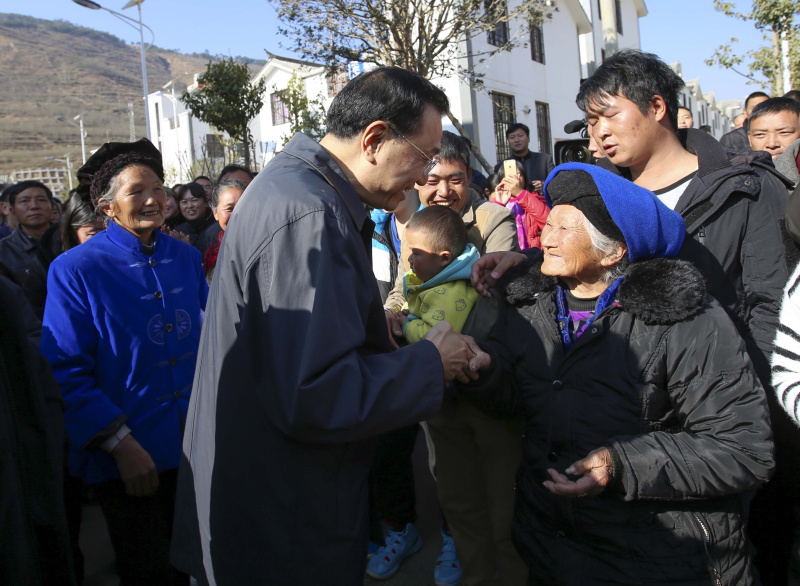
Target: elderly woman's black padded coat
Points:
(662, 379)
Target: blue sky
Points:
(677, 30)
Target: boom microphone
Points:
(574, 126)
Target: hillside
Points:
(54, 68)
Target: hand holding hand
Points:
(136, 467)
(538, 186)
(395, 327)
(455, 350)
(595, 471)
(490, 267)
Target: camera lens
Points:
(573, 151)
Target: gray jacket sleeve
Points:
(328, 376)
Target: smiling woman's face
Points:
(192, 207)
(139, 203)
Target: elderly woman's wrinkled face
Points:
(193, 208)
(227, 201)
(568, 251)
(140, 201)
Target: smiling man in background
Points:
(774, 125)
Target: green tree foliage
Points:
(227, 101)
(774, 18)
(305, 115)
(430, 38)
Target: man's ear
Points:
(658, 106)
(372, 139)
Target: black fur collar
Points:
(660, 291)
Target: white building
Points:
(534, 85)
(704, 107)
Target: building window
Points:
(504, 113)
(499, 36)
(214, 149)
(618, 12)
(336, 82)
(280, 111)
(543, 127)
(537, 43)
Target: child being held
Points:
(437, 287)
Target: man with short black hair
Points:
(774, 125)
(793, 94)
(685, 118)
(537, 165)
(736, 140)
(731, 209)
(296, 376)
(237, 172)
(205, 182)
(31, 205)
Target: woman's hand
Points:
(512, 185)
(501, 193)
(175, 234)
(490, 267)
(595, 471)
(136, 467)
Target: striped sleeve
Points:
(786, 357)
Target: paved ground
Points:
(415, 571)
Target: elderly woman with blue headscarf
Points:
(638, 396)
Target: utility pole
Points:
(132, 125)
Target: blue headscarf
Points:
(650, 228)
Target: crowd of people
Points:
(604, 359)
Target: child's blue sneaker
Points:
(399, 545)
(372, 549)
(448, 569)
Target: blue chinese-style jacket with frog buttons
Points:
(121, 331)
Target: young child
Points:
(437, 287)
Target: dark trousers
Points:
(73, 503)
(140, 530)
(392, 491)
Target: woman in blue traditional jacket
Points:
(121, 331)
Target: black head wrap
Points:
(578, 188)
(96, 174)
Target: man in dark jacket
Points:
(33, 527)
(295, 375)
(537, 165)
(31, 203)
(736, 139)
(731, 209)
